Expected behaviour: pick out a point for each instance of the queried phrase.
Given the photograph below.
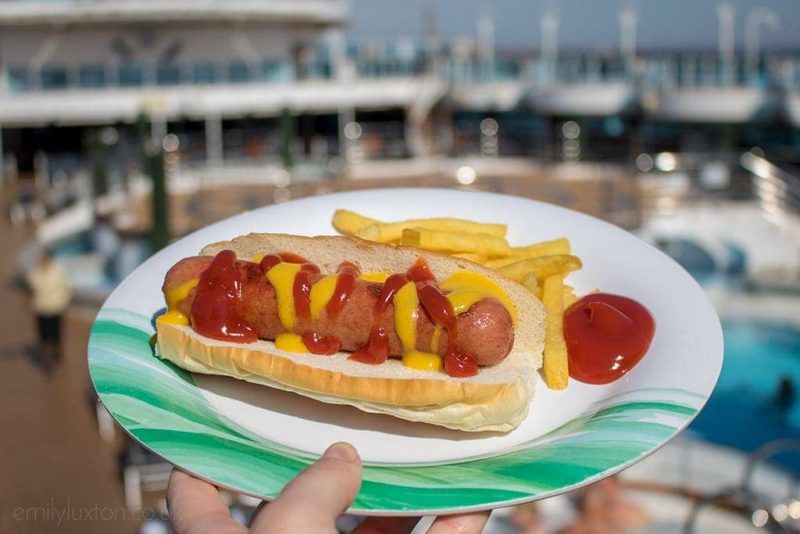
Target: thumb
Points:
(316, 497)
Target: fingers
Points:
(387, 525)
(317, 496)
(195, 507)
(471, 523)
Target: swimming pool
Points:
(744, 411)
(95, 260)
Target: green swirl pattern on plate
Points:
(160, 406)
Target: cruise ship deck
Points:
(228, 108)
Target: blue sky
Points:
(662, 23)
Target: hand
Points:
(309, 503)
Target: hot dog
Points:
(464, 342)
(485, 330)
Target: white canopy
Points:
(103, 106)
(126, 11)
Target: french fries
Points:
(555, 366)
(543, 248)
(540, 267)
(450, 241)
(392, 232)
(537, 250)
(349, 222)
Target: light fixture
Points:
(644, 162)
(666, 161)
(466, 175)
(170, 143)
(353, 131)
(760, 518)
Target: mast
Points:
(549, 46)
(486, 34)
(628, 18)
(756, 18)
(726, 26)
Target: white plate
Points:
(220, 428)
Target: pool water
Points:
(744, 411)
(116, 257)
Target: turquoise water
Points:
(744, 411)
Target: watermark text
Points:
(60, 513)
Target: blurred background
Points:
(126, 124)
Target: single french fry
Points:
(542, 267)
(371, 232)
(449, 241)
(350, 223)
(536, 250)
(543, 248)
(556, 365)
(388, 232)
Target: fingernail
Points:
(341, 451)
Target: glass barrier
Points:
(54, 78)
(662, 70)
(92, 76)
(130, 76)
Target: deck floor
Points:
(57, 474)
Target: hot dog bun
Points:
(496, 399)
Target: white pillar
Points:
(346, 116)
(413, 132)
(158, 130)
(214, 150)
(343, 69)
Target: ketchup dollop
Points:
(215, 312)
(376, 350)
(323, 345)
(421, 272)
(606, 337)
(459, 365)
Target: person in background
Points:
(309, 503)
(27, 207)
(51, 295)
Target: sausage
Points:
(485, 331)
